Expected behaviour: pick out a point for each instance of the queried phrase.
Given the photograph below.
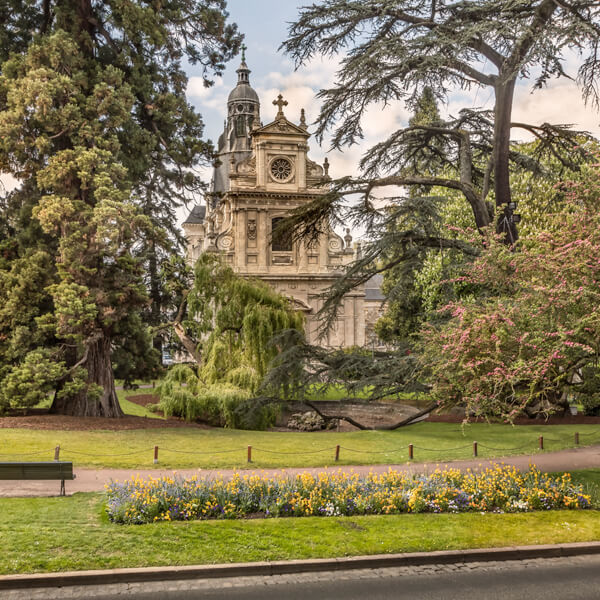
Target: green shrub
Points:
(591, 405)
(589, 390)
(218, 404)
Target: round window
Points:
(281, 169)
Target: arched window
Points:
(281, 241)
(240, 126)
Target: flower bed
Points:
(498, 489)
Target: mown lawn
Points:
(133, 409)
(227, 448)
(340, 392)
(73, 533)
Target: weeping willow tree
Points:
(230, 328)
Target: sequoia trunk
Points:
(99, 370)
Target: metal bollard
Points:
(155, 455)
(541, 442)
(577, 438)
(337, 453)
(410, 451)
(249, 454)
(475, 449)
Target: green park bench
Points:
(38, 470)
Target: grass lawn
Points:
(73, 533)
(133, 409)
(226, 448)
(339, 392)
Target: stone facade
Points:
(264, 172)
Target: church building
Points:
(262, 173)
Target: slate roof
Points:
(196, 215)
(373, 288)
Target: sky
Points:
(265, 23)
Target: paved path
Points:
(568, 578)
(92, 480)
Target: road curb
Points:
(380, 561)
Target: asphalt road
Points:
(573, 578)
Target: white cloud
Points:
(197, 89)
(559, 103)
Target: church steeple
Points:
(243, 70)
(243, 115)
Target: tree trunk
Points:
(477, 202)
(503, 113)
(99, 369)
(155, 296)
(187, 342)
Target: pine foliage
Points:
(393, 52)
(93, 118)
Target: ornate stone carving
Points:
(335, 243)
(313, 169)
(303, 120)
(281, 168)
(251, 229)
(280, 103)
(348, 238)
(247, 167)
(225, 242)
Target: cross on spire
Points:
(244, 48)
(280, 103)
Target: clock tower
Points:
(262, 173)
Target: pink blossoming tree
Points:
(532, 336)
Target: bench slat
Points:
(36, 470)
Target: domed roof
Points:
(242, 91)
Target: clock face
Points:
(281, 169)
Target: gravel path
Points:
(94, 480)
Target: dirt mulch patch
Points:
(40, 419)
(144, 399)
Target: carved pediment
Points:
(282, 125)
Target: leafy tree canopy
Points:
(531, 336)
(392, 51)
(93, 118)
(233, 322)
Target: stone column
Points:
(239, 233)
(302, 262)
(262, 238)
